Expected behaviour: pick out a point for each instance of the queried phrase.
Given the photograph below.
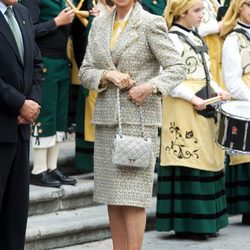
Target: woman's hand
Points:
(225, 95)
(121, 80)
(198, 103)
(138, 94)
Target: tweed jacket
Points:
(141, 49)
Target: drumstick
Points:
(71, 5)
(80, 14)
(213, 99)
(80, 4)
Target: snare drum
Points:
(234, 127)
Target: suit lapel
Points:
(7, 33)
(108, 26)
(129, 34)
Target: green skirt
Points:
(84, 150)
(190, 200)
(238, 188)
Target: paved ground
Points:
(235, 237)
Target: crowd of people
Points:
(144, 65)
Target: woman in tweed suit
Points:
(125, 50)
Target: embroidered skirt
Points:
(121, 185)
(190, 200)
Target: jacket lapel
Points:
(129, 34)
(105, 43)
(7, 33)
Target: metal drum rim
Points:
(235, 116)
(226, 149)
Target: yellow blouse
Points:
(118, 28)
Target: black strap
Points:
(198, 50)
(226, 3)
(241, 31)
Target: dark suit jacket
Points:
(18, 81)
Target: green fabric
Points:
(55, 97)
(190, 200)
(50, 9)
(227, 3)
(238, 188)
(155, 6)
(84, 149)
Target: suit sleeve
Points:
(89, 75)
(41, 28)
(38, 75)
(11, 100)
(162, 47)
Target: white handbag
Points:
(131, 151)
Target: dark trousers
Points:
(14, 194)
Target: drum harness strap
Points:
(241, 31)
(199, 50)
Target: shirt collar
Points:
(3, 7)
(243, 25)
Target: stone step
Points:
(65, 228)
(47, 200)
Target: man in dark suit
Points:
(20, 93)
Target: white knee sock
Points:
(39, 160)
(52, 157)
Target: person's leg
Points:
(117, 227)
(53, 171)
(14, 210)
(7, 154)
(52, 157)
(39, 160)
(134, 222)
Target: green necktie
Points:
(15, 30)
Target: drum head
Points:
(237, 109)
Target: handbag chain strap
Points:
(119, 117)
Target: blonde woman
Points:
(126, 49)
(236, 71)
(191, 196)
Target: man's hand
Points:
(65, 17)
(30, 111)
(21, 120)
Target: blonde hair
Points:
(176, 8)
(230, 19)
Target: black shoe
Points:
(246, 218)
(213, 235)
(64, 179)
(44, 179)
(191, 236)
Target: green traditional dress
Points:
(191, 193)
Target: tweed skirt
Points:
(124, 186)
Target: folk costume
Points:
(84, 147)
(191, 195)
(209, 30)
(236, 71)
(49, 129)
(154, 6)
(139, 47)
